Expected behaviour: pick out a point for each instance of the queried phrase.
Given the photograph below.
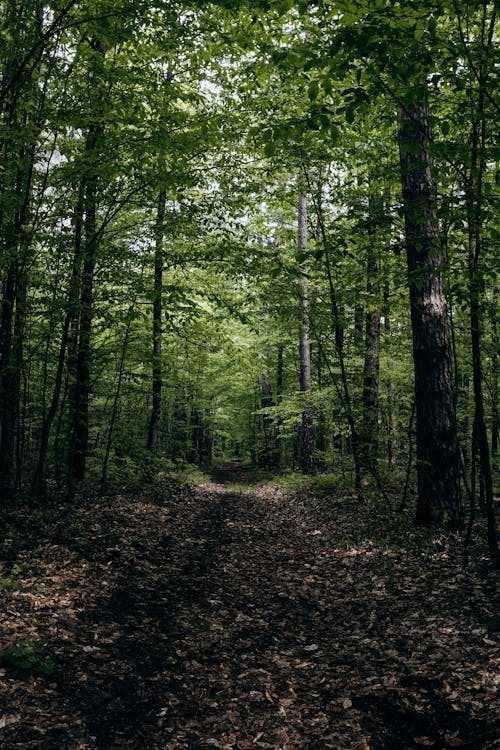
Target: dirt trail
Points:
(230, 618)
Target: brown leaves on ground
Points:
(241, 619)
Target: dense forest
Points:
(264, 230)
(260, 235)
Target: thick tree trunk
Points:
(155, 420)
(437, 442)
(306, 437)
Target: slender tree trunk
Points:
(116, 399)
(266, 401)
(279, 399)
(392, 436)
(474, 204)
(437, 442)
(15, 241)
(6, 415)
(270, 451)
(19, 334)
(306, 437)
(371, 370)
(343, 390)
(68, 323)
(321, 436)
(79, 441)
(155, 420)
(495, 391)
(79, 446)
(21, 107)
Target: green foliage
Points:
(185, 472)
(222, 111)
(27, 659)
(319, 486)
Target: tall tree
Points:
(474, 190)
(306, 436)
(21, 98)
(155, 420)
(437, 440)
(79, 428)
(371, 368)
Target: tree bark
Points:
(68, 323)
(78, 455)
(495, 416)
(306, 437)
(474, 205)
(116, 400)
(79, 439)
(155, 420)
(392, 428)
(437, 442)
(15, 192)
(371, 369)
(269, 455)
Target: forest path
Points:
(236, 617)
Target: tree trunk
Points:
(495, 415)
(369, 430)
(269, 455)
(78, 456)
(437, 442)
(306, 437)
(68, 323)
(6, 413)
(16, 189)
(116, 399)
(392, 433)
(79, 440)
(343, 390)
(155, 420)
(474, 205)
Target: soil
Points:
(238, 616)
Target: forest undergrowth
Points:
(236, 615)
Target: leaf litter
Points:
(242, 618)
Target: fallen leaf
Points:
(453, 741)
(5, 721)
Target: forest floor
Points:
(237, 616)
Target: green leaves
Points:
(313, 90)
(282, 6)
(26, 659)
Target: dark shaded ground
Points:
(224, 618)
(235, 471)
